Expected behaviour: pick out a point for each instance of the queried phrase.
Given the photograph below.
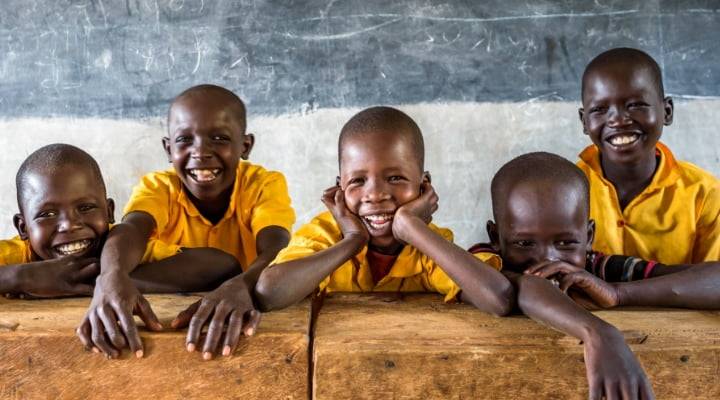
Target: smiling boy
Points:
(209, 199)
(377, 235)
(645, 203)
(63, 221)
(540, 206)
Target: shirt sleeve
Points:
(311, 238)
(707, 239)
(152, 195)
(273, 205)
(157, 250)
(14, 251)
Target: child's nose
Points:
(200, 149)
(618, 117)
(68, 222)
(375, 191)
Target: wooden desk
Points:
(42, 359)
(369, 347)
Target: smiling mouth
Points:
(204, 175)
(623, 139)
(378, 221)
(76, 247)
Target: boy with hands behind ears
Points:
(377, 235)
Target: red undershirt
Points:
(380, 264)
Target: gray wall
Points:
(486, 81)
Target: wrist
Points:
(622, 294)
(404, 224)
(598, 331)
(356, 240)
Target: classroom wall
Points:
(485, 82)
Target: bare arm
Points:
(612, 369)
(481, 285)
(66, 276)
(284, 284)
(696, 287)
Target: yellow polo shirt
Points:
(17, 251)
(411, 272)
(259, 199)
(675, 220)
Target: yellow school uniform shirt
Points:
(675, 220)
(18, 251)
(259, 199)
(411, 272)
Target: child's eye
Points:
(523, 243)
(183, 139)
(637, 104)
(396, 178)
(567, 243)
(87, 207)
(220, 137)
(47, 214)
(356, 181)
(597, 110)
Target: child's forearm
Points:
(284, 284)
(481, 285)
(125, 245)
(270, 241)
(11, 279)
(696, 287)
(544, 303)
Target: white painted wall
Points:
(465, 144)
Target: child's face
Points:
(378, 176)
(205, 143)
(64, 213)
(624, 113)
(541, 225)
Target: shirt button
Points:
(620, 223)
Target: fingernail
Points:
(250, 331)
(226, 350)
(95, 350)
(191, 347)
(207, 355)
(139, 354)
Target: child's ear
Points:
(591, 234)
(337, 181)
(493, 235)
(248, 143)
(669, 110)
(166, 146)
(426, 177)
(581, 114)
(111, 210)
(19, 222)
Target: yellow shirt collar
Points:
(192, 211)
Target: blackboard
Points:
(129, 58)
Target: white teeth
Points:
(623, 139)
(204, 175)
(73, 247)
(378, 221)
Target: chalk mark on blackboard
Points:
(343, 35)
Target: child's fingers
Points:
(629, 389)
(183, 318)
(611, 390)
(232, 335)
(109, 320)
(83, 333)
(595, 389)
(196, 324)
(129, 328)
(98, 336)
(533, 268)
(215, 330)
(147, 315)
(251, 323)
(645, 389)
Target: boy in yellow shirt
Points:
(64, 219)
(540, 209)
(377, 235)
(211, 199)
(645, 203)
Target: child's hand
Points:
(421, 208)
(602, 294)
(613, 372)
(66, 276)
(230, 302)
(350, 224)
(114, 302)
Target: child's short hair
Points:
(626, 55)
(237, 105)
(539, 167)
(48, 160)
(386, 120)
